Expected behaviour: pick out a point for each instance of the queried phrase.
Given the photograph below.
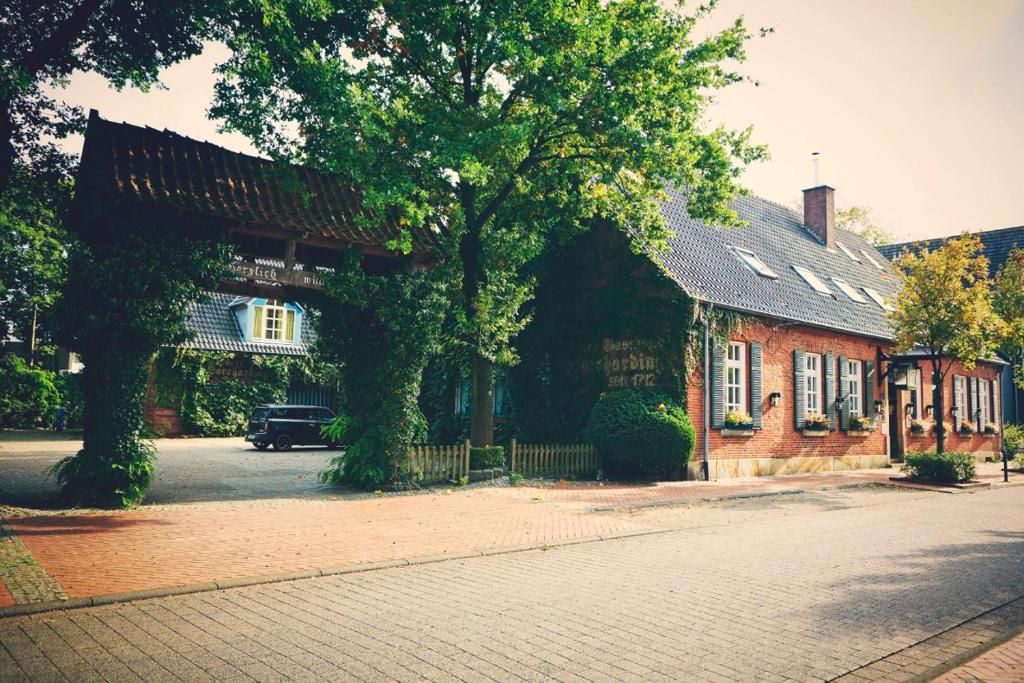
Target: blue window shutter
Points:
(844, 393)
(756, 391)
(717, 384)
(799, 397)
(869, 389)
(829, 397)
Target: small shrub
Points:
(486, 457)
(640, 433)
(738, 418)
(515, 479)
(951, 467)
(28, 396)
(1013, 443)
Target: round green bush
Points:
(486, 457)
(640, 433)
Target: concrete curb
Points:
(244, 581)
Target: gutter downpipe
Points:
(706, 431)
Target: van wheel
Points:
(261, 446)
(283, 442)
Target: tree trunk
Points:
(7, 151)
(481, 407)
(939, 411)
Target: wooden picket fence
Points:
(431, 464)
(553, 460)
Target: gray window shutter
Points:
(799, 399)
(960, 410)
(972, 400)
(869, 390)
(844, 393)
(717, 384)
(756, 392)
(829, 397)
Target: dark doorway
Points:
(896, 447)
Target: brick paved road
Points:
(784, 590)
(1002, 664)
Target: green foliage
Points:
(509, 126)
(119, 481)
(1013, 442)
(858, 220)
(952, 467)
(28, 396)
(640, 433)
(738, 418)
(1008, 302)
(380, 329)
(486, 457)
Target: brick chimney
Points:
(820, 213)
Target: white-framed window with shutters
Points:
(854, 387)
(736, 377)
(960, 397)
(812, 383)
(984, 405)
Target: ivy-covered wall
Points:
(603, 318)
(214, 392)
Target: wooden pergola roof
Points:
(127, 166)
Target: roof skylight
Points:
(848, 290)
(754, 262)
(813, 280)
(873, 260)
(847, 251)
(878, 299)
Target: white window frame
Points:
(855, 387)
(812, 384)
(814, 281)
(278, 310)
(960, 397)
(984, 404)
(736, 377)
(849, 291)
(915, 383)
(877, 297)
(846, 251)
(755, 263)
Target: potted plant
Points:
(917, 427)
(966, 427)
(991, 428)
(860, 423)
(737, 419)
(816, 422)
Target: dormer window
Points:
(873, 260)
(754, 262)
(813, 280)
(878, 299)
(848, 290)
(273, 321)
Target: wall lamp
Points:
(879, 407)
(774, 398)
(929, 410)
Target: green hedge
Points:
(486, 457)
(640, 433)
(28, 396)
(951, 467)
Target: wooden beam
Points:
(289, 255)
(242, 288)
(252, 271)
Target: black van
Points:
(284, 426)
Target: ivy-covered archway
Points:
(162, 219)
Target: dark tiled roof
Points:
(996, 245)
(161, 169)
(216, 329)
(702, 263)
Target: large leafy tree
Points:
(1008, 299)
(43, 43)
(503, 126)
(945, 308)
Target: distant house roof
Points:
(215, 328)
(703, 260)
(996, 245)
(129, 164)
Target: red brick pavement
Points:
(96, 554)
(6, 599)
(1003, 664)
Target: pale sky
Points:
(916, 106)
